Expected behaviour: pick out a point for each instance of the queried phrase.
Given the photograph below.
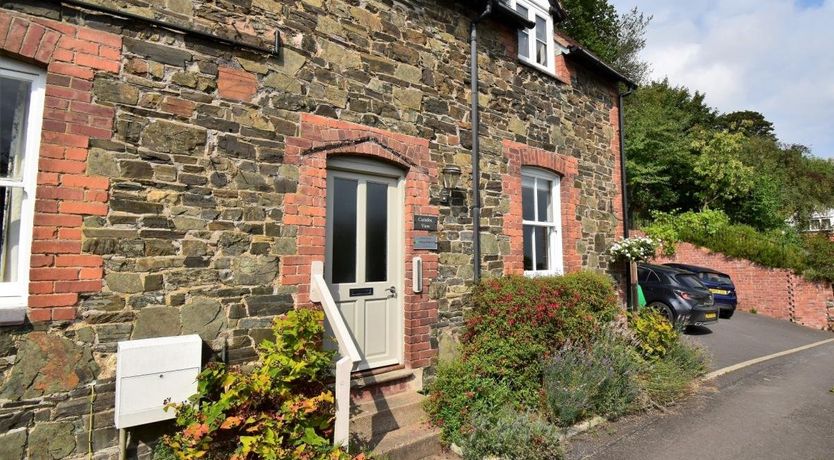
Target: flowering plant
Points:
(634, 249)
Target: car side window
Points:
(647, 276)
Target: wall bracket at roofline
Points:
(231, 42)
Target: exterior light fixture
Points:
(451, 178)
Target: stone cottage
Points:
(175, 167)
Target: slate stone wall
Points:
(173, 216)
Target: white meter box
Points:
(152, 372)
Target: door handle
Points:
(392, 291)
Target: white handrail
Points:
(320, 292)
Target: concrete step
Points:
(413, 442)
(364, 388)
(386, 413)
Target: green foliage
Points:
(820, 257)
(720, 176)
(667, 379)
(616, 39)
(582, 381)
(747, 122)
(512, 435)
(457, 393)
(516, 323)
(281, 409)
(661, 120)
(683, 155)
(670, 227)
(654, 334)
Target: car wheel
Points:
(664, 310)
(726, 314)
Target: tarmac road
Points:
(778, 409)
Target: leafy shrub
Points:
(599, 380)
(281, 409)
(457, 393)
(820, 263)
(512, 435)
(811, 256)
(515, 325)
(517, 321)
(666, 379)
(654, 335)
(668, 227)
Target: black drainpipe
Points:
(476, 154)
(623, 180)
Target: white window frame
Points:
(540, 8)
(14, 296)
(555, 259)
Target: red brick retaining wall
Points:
(772, 292)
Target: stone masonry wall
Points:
(777, 293)
(169, 201)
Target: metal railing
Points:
(349, 355)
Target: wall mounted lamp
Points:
(451, 178)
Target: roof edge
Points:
(599, 64)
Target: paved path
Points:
(779, 409)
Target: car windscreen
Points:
(716, 278)
(690, 281)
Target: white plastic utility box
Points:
(151, 372)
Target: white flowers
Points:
(634, 249)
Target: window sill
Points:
(12, 316)
(537, 68)
(539, 274)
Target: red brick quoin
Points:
(320, 138)
(72, 56)
(520, 155)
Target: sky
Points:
(772, 56)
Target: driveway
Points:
(778, 409)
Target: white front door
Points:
(364, 257)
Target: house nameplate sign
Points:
(425, 223)
(425, 242)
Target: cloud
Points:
(772, 56)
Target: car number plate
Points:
(719, 291)
(710, 315)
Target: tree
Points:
(660, 122)
(616, 39)
(719, 174)
(747, 122)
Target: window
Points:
(542, 222)
(536, 46)
(21, 114)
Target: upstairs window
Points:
(21, 115)
(536, 46)
(541, 216)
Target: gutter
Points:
(631, 294)
(600, 65)
(274, 51)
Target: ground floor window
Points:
(541, 214)
(21, 115)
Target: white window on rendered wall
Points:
(542, 220)
(22, 90)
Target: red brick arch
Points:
(520, 155)
(72, 56)
(320, 138)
